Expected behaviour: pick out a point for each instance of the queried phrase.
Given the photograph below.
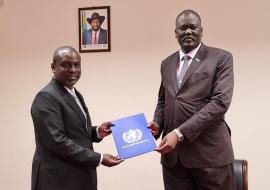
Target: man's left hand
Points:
(168, 143)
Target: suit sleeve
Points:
(160, 108)
(219, 101)
(94, 135)
(159, 111)
(47, 117)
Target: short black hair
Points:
(188, 11)
(64, 49)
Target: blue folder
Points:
(132, 137)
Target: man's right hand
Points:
(154, 126)
(110, 160)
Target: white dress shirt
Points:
(191, 54)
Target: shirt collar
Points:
(191, 54)
(72, 91)
(93, 31)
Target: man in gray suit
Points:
(195, 93)
(64, 158)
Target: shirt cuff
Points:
(101, 158)
(98, 135)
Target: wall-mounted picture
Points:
(94, 29)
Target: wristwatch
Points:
(179, 135)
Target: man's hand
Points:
(109, 160)
(105, 129)
(168, 143)
(154, 126)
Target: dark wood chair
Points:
(241, 174)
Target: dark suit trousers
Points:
(182, 178)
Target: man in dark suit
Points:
(195, 93)
(64, 158)
(96, 35)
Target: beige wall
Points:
(126, 80)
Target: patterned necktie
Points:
(180, 77)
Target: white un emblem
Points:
(132, 136)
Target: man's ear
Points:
(201, 31)
(53, 67)
(175, 33)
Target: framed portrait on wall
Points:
(94, 29)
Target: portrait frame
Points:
(94, 29)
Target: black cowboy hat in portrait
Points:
(96, 16)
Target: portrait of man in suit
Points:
(195, 93)
(96, 34)
(64, 158)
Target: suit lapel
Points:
(100, 37)
(174, 65)
(90, 36)
(196, 61)
(71, 101)
(89, 124)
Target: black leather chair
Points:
(241, 174)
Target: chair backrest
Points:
(241, 174)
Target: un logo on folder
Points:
(132, 136)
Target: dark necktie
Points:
(186, 59)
